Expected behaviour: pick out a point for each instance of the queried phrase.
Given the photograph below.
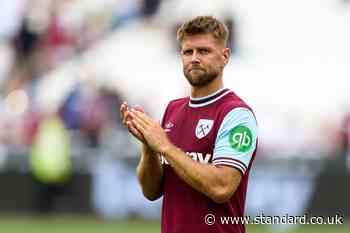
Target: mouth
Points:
(195, 68)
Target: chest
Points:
(194, 131)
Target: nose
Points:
(195, 58)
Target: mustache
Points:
(192, 67)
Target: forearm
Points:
(150, 174)
(205, 178)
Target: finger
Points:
(139, 108)
(136, 116)
(142, 116)
(134, 131)
(127, 116)
(139, 125)
(124, 117)
(123, 108)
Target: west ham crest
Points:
(203, 128)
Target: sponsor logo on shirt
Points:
(199, 157)
(241, 138)
(168, 126)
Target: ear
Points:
(226, 54)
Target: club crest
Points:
(203, 128)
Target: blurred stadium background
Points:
(67, 165)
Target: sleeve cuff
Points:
(231, 163)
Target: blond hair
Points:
(203, 25)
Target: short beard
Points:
(201, 80)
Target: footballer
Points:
(199, 157)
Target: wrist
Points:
(146, 149)
(148, 153)
(167, 149)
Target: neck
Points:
(215, 85)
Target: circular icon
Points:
(241, 138)
(209, 219)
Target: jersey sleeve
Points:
(236, 139)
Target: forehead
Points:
(200, 40)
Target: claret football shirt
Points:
(220, 129)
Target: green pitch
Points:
(75, 224)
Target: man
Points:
(207, 141)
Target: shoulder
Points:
(174, 105)
(177, 103)
(232, 103)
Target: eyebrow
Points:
(199, 47)
(207, 48)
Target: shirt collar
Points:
(206, 100)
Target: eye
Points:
(203, 51)
(187, 52)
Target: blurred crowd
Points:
(81, 135)
(37, 36)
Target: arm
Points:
(149, 170)
(150, 174)
(219, 183)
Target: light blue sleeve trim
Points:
(224, 153)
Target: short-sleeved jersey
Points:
(218, 129)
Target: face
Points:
(203, 59)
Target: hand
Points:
(151, 130)
(127, 121)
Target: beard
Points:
(200, 77)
